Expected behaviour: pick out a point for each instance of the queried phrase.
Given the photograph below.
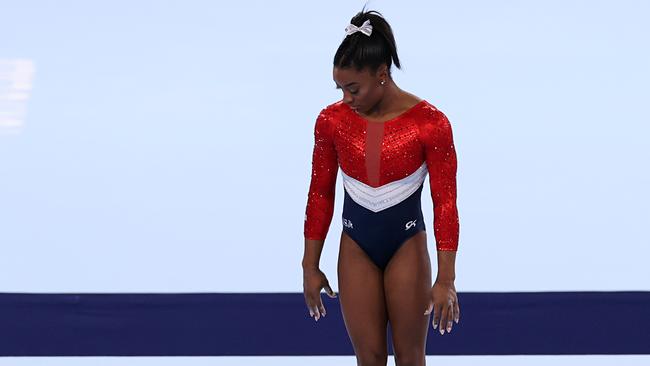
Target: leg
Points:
(361, 295)
(407, 282)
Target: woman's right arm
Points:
(318, 214)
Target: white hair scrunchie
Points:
(365, 28)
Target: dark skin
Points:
(402, 293)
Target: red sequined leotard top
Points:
(386, 156)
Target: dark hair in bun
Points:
(361, 51)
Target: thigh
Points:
(361, 295)
(407, 286)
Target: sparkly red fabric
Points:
(377, 153)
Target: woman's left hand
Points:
(444, 303)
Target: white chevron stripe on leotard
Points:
(388, 195)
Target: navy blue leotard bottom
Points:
(381, 234)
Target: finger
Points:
(436, 315)
(427, 311)
(308, 303)
(429, 308)
(329, 291)
(457, 312)
(450, 317)
(313, 309)
(321, 307)
(443, 318)
(316, 313)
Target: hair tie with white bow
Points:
(365, 28)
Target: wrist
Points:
(445, 280)
(309, 266)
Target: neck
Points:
(387, 102)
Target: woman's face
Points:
(361, 90)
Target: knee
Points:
(414, 358)
(372, 358)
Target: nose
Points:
(348, 98)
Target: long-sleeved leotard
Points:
(383, 164)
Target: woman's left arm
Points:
(441, 161)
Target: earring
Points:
(382, 82)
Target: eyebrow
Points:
(346, 85)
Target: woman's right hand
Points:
(313, 280)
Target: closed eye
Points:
(351, 92)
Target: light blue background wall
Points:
(166, 146)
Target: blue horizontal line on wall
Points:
(266, 324)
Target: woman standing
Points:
(386, 141)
